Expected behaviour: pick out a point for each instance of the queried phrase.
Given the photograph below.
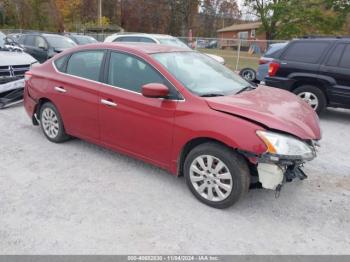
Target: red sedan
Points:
(179, 110)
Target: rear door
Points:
(302, 56)
(36, 46)
(337, 67)
(74, 91)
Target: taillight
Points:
(27, 76)
(273, 68)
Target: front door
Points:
(131, 122)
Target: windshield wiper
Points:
(247, 88)
(211, 95)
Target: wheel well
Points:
(37, 109)
(322, 85)
(189, 146)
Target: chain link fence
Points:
(238, 53)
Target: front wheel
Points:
(216, 175)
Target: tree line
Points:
(174, 17)
(281, 19)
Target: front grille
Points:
(5, 71)
(19, 70)
(12, 73)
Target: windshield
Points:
(83, 40)
(2, 40)
(201, 74)
(172, 42)
(60, 42)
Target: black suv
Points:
(44, 46)
(317, 70)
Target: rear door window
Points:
(40, 42)
(334, 58)
(29, 40)
(127, 39)
(345, 59)
(275, 50)
(305, 52)
(146, 40)
(60, 63)
(86, 64)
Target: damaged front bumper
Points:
(11, 92)
(272, 171)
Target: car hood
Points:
(15, 58)
(274, 108)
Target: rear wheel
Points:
(313, 96)
(216, 175)
(248, 74)
(51, 123)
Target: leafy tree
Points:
(216, 14)
(292, 18)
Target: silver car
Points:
(155, 39)
(13, 64)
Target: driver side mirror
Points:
(155, 90)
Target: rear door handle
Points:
(108, 103)
(60, 89)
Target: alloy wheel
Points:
(310, 98)
(50, 122)
(211, 178)
(248, 75)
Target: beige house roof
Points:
(239, 27)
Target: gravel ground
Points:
(78, 198)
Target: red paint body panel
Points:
(157, 130)
(279, 110)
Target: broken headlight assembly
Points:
(280, 146)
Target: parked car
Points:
(14, 36)
(316, 69)
(82, 39)
(248, 74)
(272, 52)
(155, 39)
(177, 109)
(13, 65)
(44, 46)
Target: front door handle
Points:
(108, 103)
(60, 89)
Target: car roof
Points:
(55, 35)
(144, 35)
(146, 48)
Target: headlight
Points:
(284, 145)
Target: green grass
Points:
(230, 56)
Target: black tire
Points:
(61, 135)
(322, 101)
(248, 74)
(236, 165)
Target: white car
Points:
(13, 64)
(155, 39)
